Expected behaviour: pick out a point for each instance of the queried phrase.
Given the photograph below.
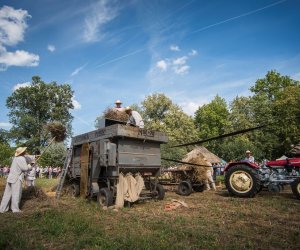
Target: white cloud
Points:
(12, 25)
(180, 60)
(12, 28)
(75, 103)
(191, 107)
(77, 70)
(162, 65)
(18, 58)
(21, 85)
(296, 76)
(181, 70)
(174, 48)
(193, 52)
(100, 14)
(51, 48)
(5, 125)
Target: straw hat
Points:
(248, 152)
(20, 150)
(127, 109)
(118, 101)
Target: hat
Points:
(127, 108)
(248, 152)
(20, 150)
(118, 101)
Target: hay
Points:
(113, 114)
(198, 174)
(57, 130)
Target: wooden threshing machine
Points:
(98, 157)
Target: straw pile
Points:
(114, 114)
(197, 156)
(57, 130)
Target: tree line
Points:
(274, 102)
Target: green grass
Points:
(212, 221)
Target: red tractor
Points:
(244, 179)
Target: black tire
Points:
(296, 188)
(75, 189)
(159, 192)
(105, 197)
(199, 188)
(242, 181)
(185, 188)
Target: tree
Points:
(211, 120)
(54, 156)
(160, 113)
(32, 107)
(276, 101)
(6, 154)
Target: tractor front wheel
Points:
(296, 188)
(242, 181)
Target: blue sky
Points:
(109, 49)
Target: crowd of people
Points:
(40, 172)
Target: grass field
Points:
(213, 220)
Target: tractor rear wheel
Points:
(242, 181)
(185, 188)
(105, 197)
(296, 188)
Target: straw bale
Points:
(114, 114)
(57, 130)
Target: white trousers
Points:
(30, 183)
(12, 196)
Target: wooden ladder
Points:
(64, 173)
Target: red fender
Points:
(251, 165)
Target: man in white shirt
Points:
(13, 190)
(118, 106)
(249, 156)
(135, 118)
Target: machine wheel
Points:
(159, 192)
(185, 188)
(242, 181)
(105, 197)
(296, 188)
(74, 190)
(199, 188)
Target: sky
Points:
(190, 50)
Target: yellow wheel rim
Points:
(241, 181)
(298, 188)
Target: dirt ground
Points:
(212, 220)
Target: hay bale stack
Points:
(57, 130)
(113, 114)
(200, 156)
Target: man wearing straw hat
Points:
(118, 106)
(135, 119)
(13, 190)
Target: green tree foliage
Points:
(211, 120)
(161, 114)
(32, 107)
(276, 101)
(54, 155)
(6, 154)
(4, 136)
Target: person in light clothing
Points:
(13, 190)
(118, 106)
(31, 175)
(249, 156)
(135, 118)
